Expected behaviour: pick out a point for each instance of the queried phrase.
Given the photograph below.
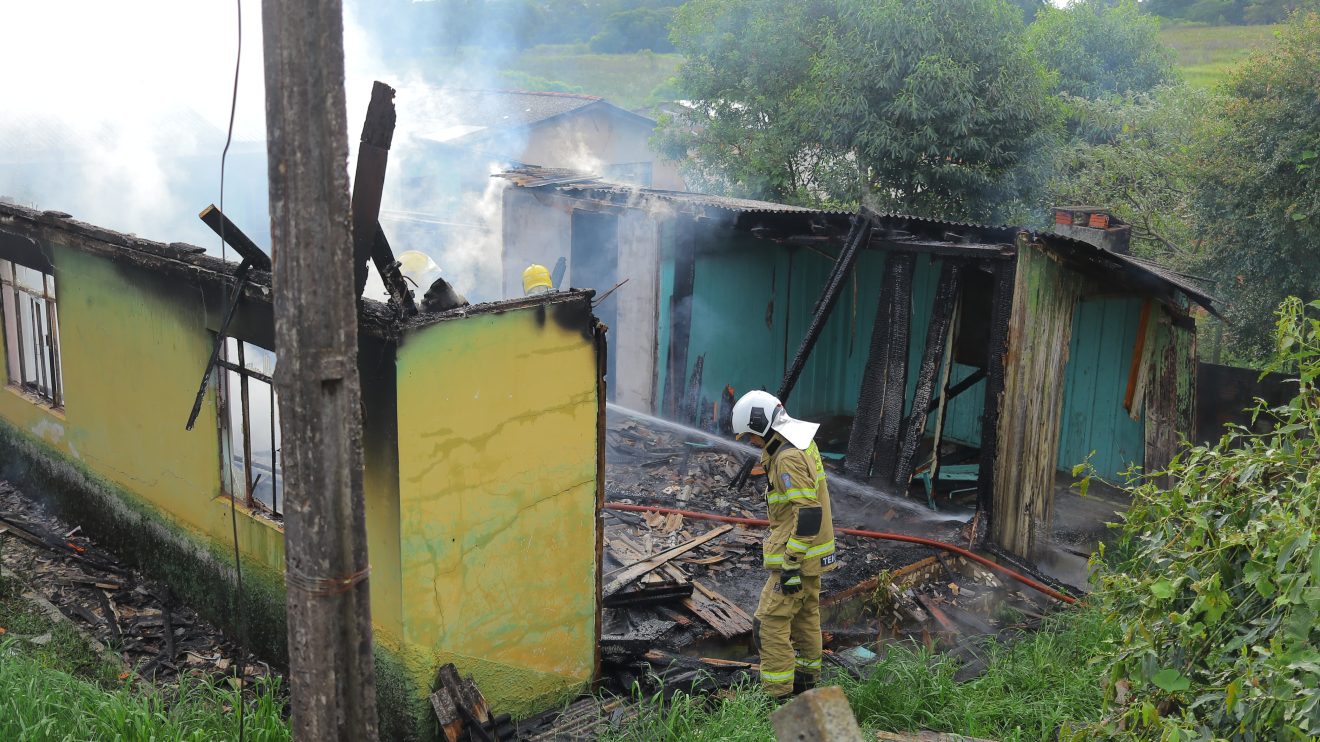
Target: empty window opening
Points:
(32, 334)
(250, 427)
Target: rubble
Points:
(140, 621)
(686, 623)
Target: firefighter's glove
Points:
(790, 581)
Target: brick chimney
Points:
(1093, 224)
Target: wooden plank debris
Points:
(706, 603)
(463, 712)
(721, 613)
(625, 575)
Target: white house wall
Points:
(634, 342)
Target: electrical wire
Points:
(698, 515)
(233, 507)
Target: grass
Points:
(1029, 688)
(626, 80)
(1207, 54)
(63, 689)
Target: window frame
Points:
(233, 363)
(46, 388)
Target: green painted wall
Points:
(498, 481)
(1104, 336)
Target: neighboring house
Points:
(480, 437)
(1083, 349)
(557, 130)
(442, 198)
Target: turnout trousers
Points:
(788, 632)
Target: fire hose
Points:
(697, 515)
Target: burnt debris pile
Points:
(680, 587)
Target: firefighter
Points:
(536, 280)
(799, 549)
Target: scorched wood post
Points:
(329, 612)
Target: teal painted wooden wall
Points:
(1104, 336)
(752, 302)
(962, 420)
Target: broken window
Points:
(250, 426)
(32, 335)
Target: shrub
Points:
(1218, 589)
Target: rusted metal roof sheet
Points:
(590, 186)
(1135, 273)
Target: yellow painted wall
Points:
(498, 499)
(133, 345)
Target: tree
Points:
(1138, 155)
(1100, 47)
(924, 106)
(1260, 196)
(635, 30)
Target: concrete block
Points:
(819, 715)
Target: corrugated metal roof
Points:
(1133, 269)
(588, 185)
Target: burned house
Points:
(941, 356)
(480, 447)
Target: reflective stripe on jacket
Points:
(797, 484)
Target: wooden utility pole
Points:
(329, 611)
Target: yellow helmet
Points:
(536, 276)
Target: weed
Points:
(1029, 689)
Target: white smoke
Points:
(122, 120)
(120, 114)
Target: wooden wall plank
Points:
(1040, 328)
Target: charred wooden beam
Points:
(1001, 310)
(946, 300)
(229, 232)
(691, 401)
(680, 316)
(394, 282)
(884, 380)
(369, 181)
(838, 278)
(240, 276)
(957, 389)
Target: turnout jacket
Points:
(798, 501)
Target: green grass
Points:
(1029, 689)
(1207, 54)
(64, 689)
(626, 80)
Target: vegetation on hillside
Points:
(941, 119)
(1257, 191)
(1225, 11)
(1099, 47)
(1207, 55)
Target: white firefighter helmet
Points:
(419, 267)
(758, 412)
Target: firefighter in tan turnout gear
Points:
(800, 546)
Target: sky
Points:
(120, 112)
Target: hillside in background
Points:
(1206, 54)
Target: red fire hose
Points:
(864, 534)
